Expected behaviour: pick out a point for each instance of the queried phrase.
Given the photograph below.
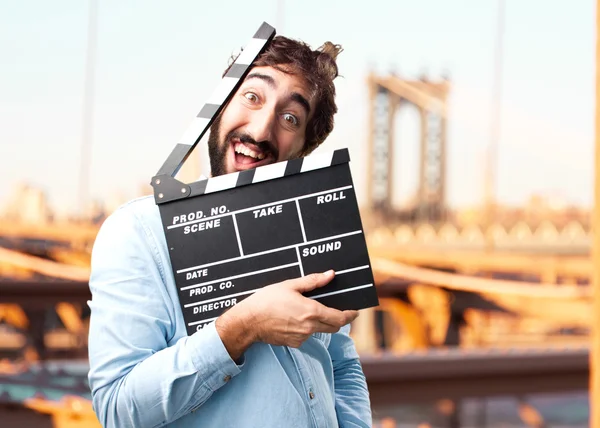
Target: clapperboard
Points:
(230, 235)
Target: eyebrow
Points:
(296, 97)
(302, 101)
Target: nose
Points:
(261, 125)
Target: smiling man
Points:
(277, 358)
(265, 122)
(284, 108)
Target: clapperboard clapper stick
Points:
(230, 235)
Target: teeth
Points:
(240, 148)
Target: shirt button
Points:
(311, 395)
(227, 378)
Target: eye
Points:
(290, 118)
(251, 96)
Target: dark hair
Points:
(318, 68)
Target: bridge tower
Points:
(387, 94)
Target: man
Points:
(277, 358)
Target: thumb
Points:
(312, 281)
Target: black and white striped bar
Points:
(213, 106)
(270, 172)
(237, 233)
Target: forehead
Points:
(285, 81)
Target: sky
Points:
(157, 62)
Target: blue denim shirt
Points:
(145, 371)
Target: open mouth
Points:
(248, 156)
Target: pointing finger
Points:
(310, 282)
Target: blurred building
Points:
(28, 204)
(98, 210)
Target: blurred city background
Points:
(470, 126)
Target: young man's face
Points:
(264, 122)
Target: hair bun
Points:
(330, 49)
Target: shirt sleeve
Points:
(135, 377)
(352, 402)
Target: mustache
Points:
(263, 146)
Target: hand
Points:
(280, 315)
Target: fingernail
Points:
(329, 272)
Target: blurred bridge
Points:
(454, 321)
(434, 282)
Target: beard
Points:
(216, 151)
